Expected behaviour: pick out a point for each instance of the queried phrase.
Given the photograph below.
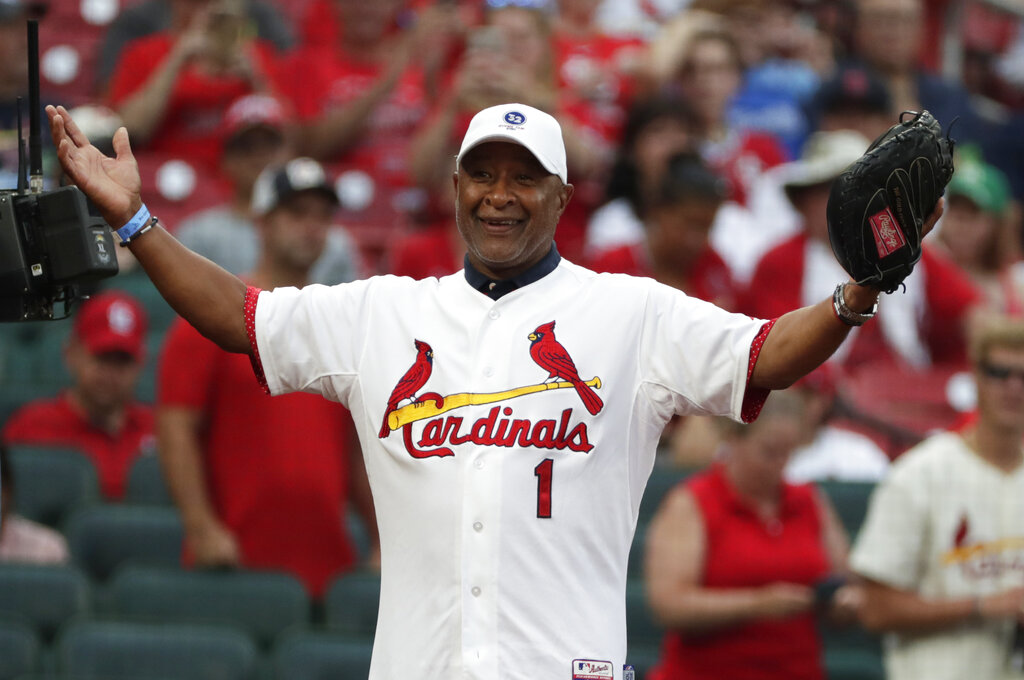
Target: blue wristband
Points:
(135, 224)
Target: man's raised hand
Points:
(113, 184)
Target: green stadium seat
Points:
(103, 537)
(641, 628)
(851, 652)
(851, 502)
(351, 603)
(43, 596)
(52, 482)
(19, 650)
(304, 655)
(146, 485)
(643, 658)
(662, 480)
(263, 604)
(853, 665)
(117, 650)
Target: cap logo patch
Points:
(515, 118)
(121, 318)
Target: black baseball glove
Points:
(878, 206)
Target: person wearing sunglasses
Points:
(942, 548)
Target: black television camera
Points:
(50, 243)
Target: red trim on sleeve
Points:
(252, 294)
(753, 399)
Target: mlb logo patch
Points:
(591, 669)
(888, 235)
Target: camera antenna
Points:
(35, 138)
(22, 178)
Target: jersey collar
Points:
(495, 289)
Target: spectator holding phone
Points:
(739, 562)
(171, 88)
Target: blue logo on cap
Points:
(515, 118)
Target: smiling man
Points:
(531, 393)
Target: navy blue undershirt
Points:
(494, 288)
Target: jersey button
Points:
(478, 464)
(475, 591)
(478, 527)
(494, 314)
(488, 372)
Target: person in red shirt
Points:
(171, 88)
(97, 414)
(676, 249)
(262, 482)
(738, 562)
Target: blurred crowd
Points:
(313, 142)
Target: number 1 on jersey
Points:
(543, 474)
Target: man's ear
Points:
(564, 196)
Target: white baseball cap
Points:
(520, 124)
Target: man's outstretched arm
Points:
(204, 294)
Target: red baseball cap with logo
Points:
(112, 322)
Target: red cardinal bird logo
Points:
(552, 357)
(413, 380)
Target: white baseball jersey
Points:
(945, 524)
(506, 497)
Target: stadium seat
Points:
(642, 629)
(643, 658)
(19, 650)
(146, 485)
(51, 482)
(853, 665)
(263, 604)
(662, 480)
(43, 596)
(304, 655)
(851, 502)
(117, 650)
(104, 537)
(852, 653)
(351, 603)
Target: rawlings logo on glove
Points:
(878, 206)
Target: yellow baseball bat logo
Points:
(429, 408)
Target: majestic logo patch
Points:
(493, 429)
(589, 669)
(888, 235)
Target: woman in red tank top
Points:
(734, 556)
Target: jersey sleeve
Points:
(184, 346)
(890, 544)
(699, 356)
(310, 339)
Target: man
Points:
(262, 482)
(942, 547)
(506, 494)
(97, 414)
(256, 136)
